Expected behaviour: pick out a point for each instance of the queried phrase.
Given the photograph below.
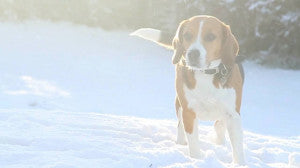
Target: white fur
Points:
(211, 103)
(220, 132)
(234, 128)
(198, 45)
(148, 34)
(181, 138)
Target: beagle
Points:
(208, 83)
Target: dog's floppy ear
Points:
(230, 47)
(177, 43)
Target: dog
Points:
(208, 83)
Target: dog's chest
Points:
(207, 101)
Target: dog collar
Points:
(220, 69)
(220, 72)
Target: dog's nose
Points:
(194, 56)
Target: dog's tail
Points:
(162, 38)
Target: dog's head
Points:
(204, 41)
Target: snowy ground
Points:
(69, 93)
(46, 138)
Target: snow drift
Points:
(47, 138)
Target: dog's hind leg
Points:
(220, 132)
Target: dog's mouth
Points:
(194, 65)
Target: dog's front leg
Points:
(181, 138)
(191, 130)
(234, 128)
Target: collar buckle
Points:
(223, 70)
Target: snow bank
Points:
(46, 138)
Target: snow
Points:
(39, 88)
(290, 17)
(53, 138)
(75, 96)
(261, 4)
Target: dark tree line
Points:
(268, 30)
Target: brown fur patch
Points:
(235, 81)
(177, 105)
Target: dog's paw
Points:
(181, 141)
(215, 139)
(197, 154)
(239, 160)
(181, 138)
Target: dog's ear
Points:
(230, 47)
(178, 43)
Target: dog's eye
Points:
(188, 36)
(209, 37)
